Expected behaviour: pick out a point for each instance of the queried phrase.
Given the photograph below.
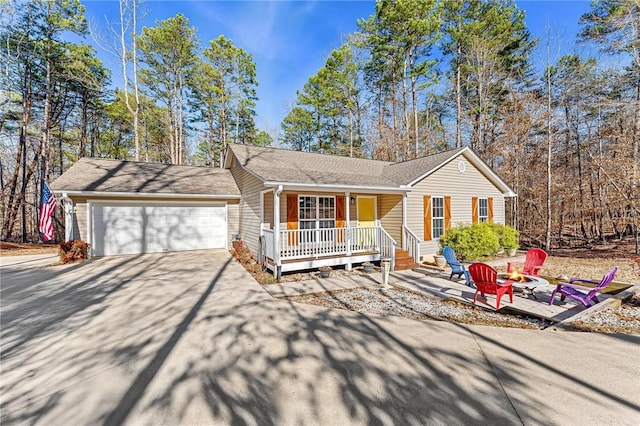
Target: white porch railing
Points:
(315, 243)
(303, 243)
(411, 243)
(387, 246)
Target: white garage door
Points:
(147, 228)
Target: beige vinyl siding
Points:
(461, 187)
(233, 220)
(250, 187)
(79, 218)
(390, 215)
(268, 210)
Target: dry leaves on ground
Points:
(22, 249)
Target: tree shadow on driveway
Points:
(191, 342)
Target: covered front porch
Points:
(306, 229)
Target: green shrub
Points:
(471, 242)
(73, 251)
(507, 236)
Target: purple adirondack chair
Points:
(569, 289)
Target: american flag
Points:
(45, 224)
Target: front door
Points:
(366, 222)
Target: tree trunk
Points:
(84, 124)
(458, 96)
(124, 55)
(547, 243)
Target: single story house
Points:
(294, 210)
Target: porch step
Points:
(412, 265)
(404, 261)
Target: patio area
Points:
(436, 283)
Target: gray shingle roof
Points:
(93, 174)
(281, 165)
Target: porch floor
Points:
(335, 256)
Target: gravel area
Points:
(622, 319)
(421, 307)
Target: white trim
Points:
(316, 263)
(442, 197)
(404, 210)
(148, 195)
(487, 216)
(336, 188)
(276, 225)
(68, 217)
(88, 235)
(160, 202)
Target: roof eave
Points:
(334, 187)
(144, 194)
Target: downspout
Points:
(68, 217)
(276, 231)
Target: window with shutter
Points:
(483, 210)
(437, 217)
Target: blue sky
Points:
(290, 40)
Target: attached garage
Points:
(131, 228)
(125, 207)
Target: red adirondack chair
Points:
(485, 279)
(533, 261)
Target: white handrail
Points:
(411, 243)
(387, 246)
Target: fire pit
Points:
(525, 284)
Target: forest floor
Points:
(22, 249)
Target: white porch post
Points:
(68, 217)
(404, 221)
(276, 231)
(347, 214)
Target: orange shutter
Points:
(340, 216)
(490, 210)
(447, 213)
(292, 217)
(474, 209)
(427, 218)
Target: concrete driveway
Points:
(190, 338)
